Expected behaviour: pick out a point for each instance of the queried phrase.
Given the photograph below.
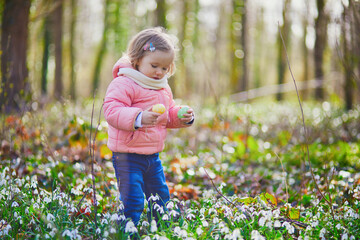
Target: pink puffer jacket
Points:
(124, 100)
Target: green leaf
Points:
(246, 200)
(294, 213)
(271, 198)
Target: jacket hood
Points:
(123, 62)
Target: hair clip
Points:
(149, 46)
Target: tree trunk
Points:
(305, 56)
(259, 49)
(285, 30)
(238, 32)
(355, 6)
(161, 13)
(15, 87)
(347, 59)
(102, 50)
(45, 60)
(72, 49)
(244, 43)
(58, 31)
(320, 43)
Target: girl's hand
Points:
(149, 118)
(188, 117)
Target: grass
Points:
(238, 173)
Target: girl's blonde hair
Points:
(160, 40)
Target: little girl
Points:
(136, 133)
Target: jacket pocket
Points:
(132, 138)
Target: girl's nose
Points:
(159, 72)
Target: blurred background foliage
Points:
(65, 49)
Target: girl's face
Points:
(156, 64)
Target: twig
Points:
(92, 165)
(286, 186)
(247, 215)
(303, 121)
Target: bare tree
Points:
(14, 82)
(320, 43)
(57, 35)
(160, 13)
(305, 52)
(102, 48)
(72, 49)
(281, 62)
(46, 54)
(239, 46)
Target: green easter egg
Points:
(182, 111)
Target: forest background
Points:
(274, 152)
(66, 49)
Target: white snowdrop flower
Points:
(130, 227)
(87, 210)
(314, 224)
(47, 200)
(47, 236)
(145, 223)
(211, 211)
(205, 223)
(215, 220)
(159, 208)
(106, 234)
(344, 236)
(277, 224)
(170, 205)
(177, 230)
(147, 238)
(49, 225)
(98, 231)
(291, 229)
(174, 213)
(50, 217)
(255, 235)
(352, 237)
(224, 230)
(154, 198)
(199, 231)
(262, 221)
(114, 217)
(112, 230)
(14, 173)
(53, 232)
(15, 214)
(183, 234)
(338, 226)
(121, 206)
(68, 233)
(14, 204)
(165, 217)
(190, 216)
(104, 221)
(236, 234)
(16, 190)
(269, 225)
(153, 227)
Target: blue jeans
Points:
(138, 174)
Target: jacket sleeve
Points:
(117, 105)
(173, 120)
